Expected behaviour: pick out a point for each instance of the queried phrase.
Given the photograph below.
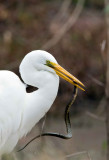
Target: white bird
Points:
(19, 110)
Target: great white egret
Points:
(19, 110)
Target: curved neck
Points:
(38, 103)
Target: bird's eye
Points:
(48, 63)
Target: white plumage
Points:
(19, 110)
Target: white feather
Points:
(19, 110)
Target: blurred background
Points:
(75, 33)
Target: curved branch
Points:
(70, 22)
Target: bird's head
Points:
(43, 62)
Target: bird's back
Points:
(12, 97)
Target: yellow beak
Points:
(65, 75)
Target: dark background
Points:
(28, 25)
